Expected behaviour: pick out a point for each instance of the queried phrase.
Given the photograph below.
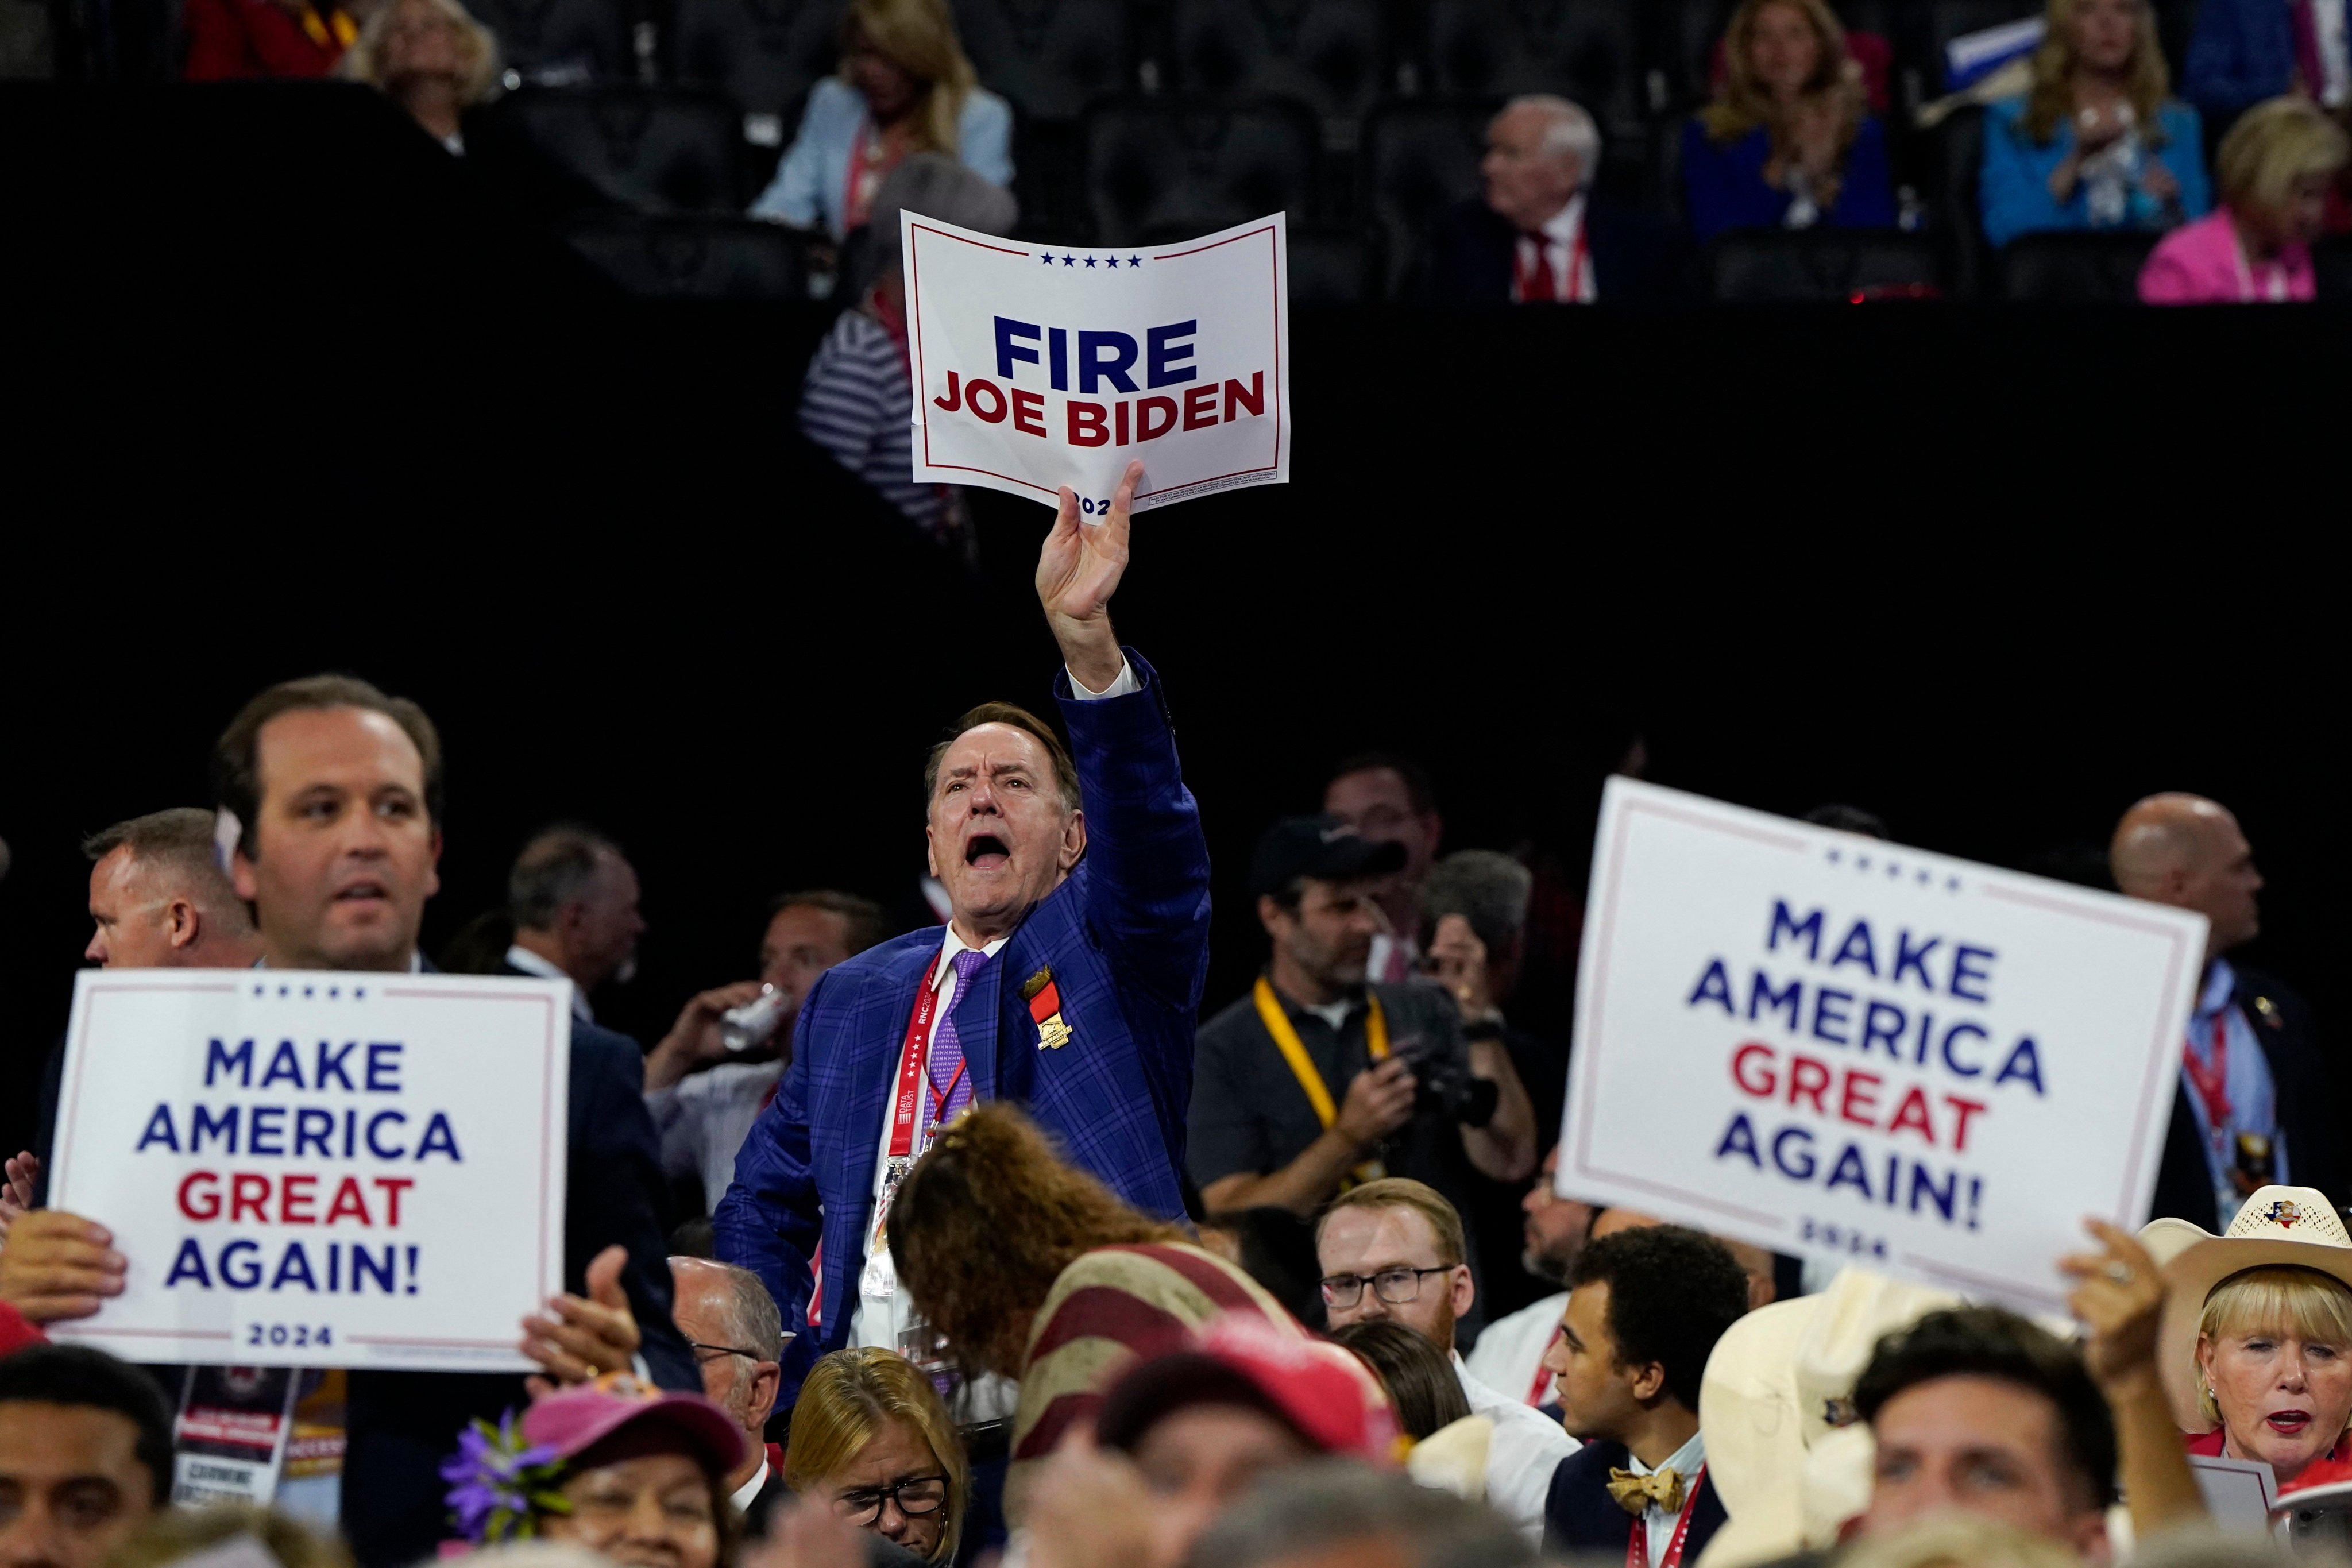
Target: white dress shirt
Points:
(703, 1119)
(751, 1488)
(530, 962)
(1527, 1447)
(1511, 1350)
(1657, 1524)
(1565, 230)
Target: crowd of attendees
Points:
(1123, 1275)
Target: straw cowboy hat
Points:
(1776, 1406)
(2278, 1225)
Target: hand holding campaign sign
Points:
(313, 1169)
(1038, 367)
(1823, 1043)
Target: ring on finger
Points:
(2122, 1273)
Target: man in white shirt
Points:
(1388, 798)
(731, 1324)
(703, 1111)
(1394, 1250)
(574, 896)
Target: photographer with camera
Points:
(1316, 1081)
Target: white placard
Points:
(1037, 366)
(2240, 1492)
(313, 1169)
(1819, 1042)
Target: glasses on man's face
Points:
(704, 1354)
(1394, 1285)
(916, 1496)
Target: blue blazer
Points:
(1583, 1520)
(2013, 189)
(1127, 937)
(2240, 53)
(1724, 187)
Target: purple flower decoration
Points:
(497, 1483)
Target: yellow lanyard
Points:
(1302, 1067)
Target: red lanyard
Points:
(2212, 1083)
(1542, 1384)
(906, 1107)
(1637, 1546)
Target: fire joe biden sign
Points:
(1036, 367)
(1824, 1043)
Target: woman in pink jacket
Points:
(2274, 169)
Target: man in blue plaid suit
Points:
(1068, 978)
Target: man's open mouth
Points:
(986, 852)
(358, 891)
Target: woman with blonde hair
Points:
(1070, 1285)
(2275, 167)
(2097, 141)
(904, 87)
(872, 1438)
(1788, 141)
(431, 58)
(2255, 1345)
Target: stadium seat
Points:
(656, 149)
(1051, 57)
(1418, 158)
(1334, 55)
(692, 258)
(566, 41)
(2073, 268)
(1779, 266)
(1590, 50)
(765, 54)
(1167, 168)
(1328, 269)
(1955, 152)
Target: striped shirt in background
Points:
(1109, 1308)
(856, 402)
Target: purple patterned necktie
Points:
(947, 1046)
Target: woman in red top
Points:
(2257, 1338)
(233, 39)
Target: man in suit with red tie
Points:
(1068, 978)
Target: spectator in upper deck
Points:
(904, 86)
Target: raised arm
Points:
(1149, 885)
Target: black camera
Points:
(1443, 1083)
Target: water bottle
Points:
(750, 1026)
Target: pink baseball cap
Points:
(580, 1418)
(1318, 1390)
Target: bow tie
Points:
(1637, 1494)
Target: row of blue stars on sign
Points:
(1109, 261)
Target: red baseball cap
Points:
(579, 1419)
(1318, 1390)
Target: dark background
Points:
(283, 401)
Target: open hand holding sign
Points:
(1079, 570)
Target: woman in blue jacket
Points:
(904, 87)
(1787, 142)
(2096, 142)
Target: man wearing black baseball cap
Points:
(1315, 1080)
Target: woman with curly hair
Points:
(1787, 143)
(2098, 141)
(1031, 1269)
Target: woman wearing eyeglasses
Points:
(871, 1435)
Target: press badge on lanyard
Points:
(878, 1280)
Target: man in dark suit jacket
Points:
(1069, 978)
(2257, 1097)
(1644, 1310)
(1539, 234)
(338, 788)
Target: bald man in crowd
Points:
(2258, 1096)
(158, 899)
(1539, 235)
